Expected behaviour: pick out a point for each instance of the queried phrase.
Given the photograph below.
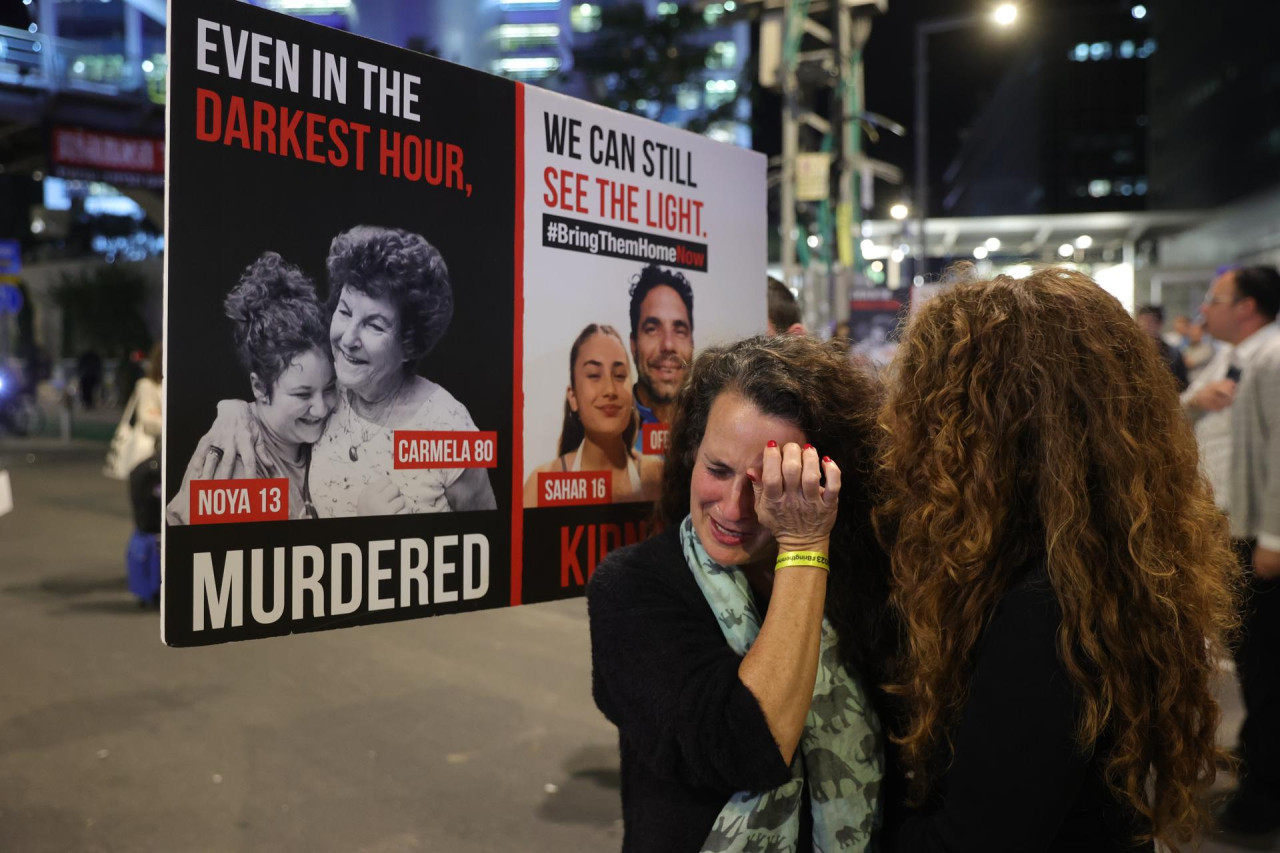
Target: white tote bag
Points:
(130, 445)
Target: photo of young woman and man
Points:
(332, 382)
(603, 409)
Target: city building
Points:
(1065, 131)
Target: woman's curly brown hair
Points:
(1029, 421)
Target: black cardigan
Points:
(1018, 782)
(690, 733)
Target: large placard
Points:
(422, 326)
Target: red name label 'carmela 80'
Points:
(225, 501)
(575, 488)
(420, 449)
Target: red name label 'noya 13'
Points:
(225, 501)
(419, 449)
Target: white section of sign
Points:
(671, 187)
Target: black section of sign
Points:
(193, 592)
(577, 235)
(229, 204)
(564, 545)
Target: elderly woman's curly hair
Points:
(403, 267)
(814, 386)
(1032, 421)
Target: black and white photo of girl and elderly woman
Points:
(976, 602)
(331, 382)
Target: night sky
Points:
(965, 68)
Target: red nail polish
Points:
(773, 444)
(808, 447)
(826, 459)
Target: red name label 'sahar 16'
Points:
(654, 439)
(575, 488)
(227, 501)
(421, 449)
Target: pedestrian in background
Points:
(1199, 349)
(1235, 405)
(1151, 320)
(1063, 579)
(784, 310)
(89, 377)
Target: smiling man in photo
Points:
(661, 341)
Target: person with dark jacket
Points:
(1062, 577)
(1151, 319)
(736, 649)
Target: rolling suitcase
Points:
(143, 554)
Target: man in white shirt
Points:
(1235, 404)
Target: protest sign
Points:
(378, 264)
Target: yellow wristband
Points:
(813, 559)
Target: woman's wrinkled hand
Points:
(381, 497)
(791, 500)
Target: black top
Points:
(1018, 781)
(690, 733)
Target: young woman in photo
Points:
(282, 340)
(600, 421)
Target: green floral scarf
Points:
(840, 755)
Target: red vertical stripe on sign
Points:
(517, 386)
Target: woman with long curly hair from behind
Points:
(1063, 580)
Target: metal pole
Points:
(790, 147)
(47, 18)
(839, 117)
(925, 29)
(132, 47)
(922, 147)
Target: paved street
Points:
(457, 734)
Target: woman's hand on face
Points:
(234, 434)
(381, 497)
(791, 500)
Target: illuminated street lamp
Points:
(1003, 15)
(899, 211)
